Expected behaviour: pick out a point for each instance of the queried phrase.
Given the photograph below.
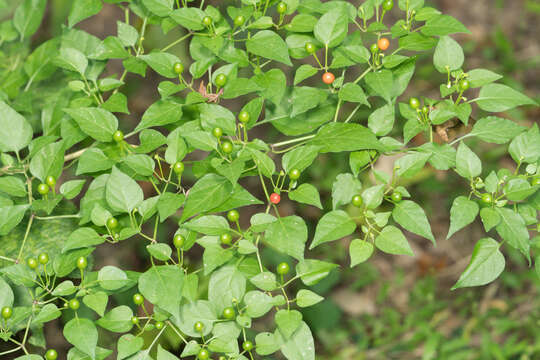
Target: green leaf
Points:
(417, 42)
(288, 235)
(176, 147)
(82, 238)
(448, 55)
(162, 63)
(381, 121)
(267, 343)
(380, 83)
(331, 28)
(513, 230)
(496, 130)
(162, 286)
(83, 9)
(373, 196)
(160, 251)
(269, 45)
(189, 17)
(257, 303)
(82, 334)
(481, 77)
(468, 164)
(11, 216)
(72, 59)
(207, 193)
(306, 194)
(213, 116)
(13, 186)
(15, 131)
(307, 298)
(300, 158)
(462, 213)
(332, 226)
(288, 321)
(47, 313)
(360, 251)
(117, 320)
(6, 294)
(353, 93)
(518, 189)
(303, 72)
(97, 302)
(312, 271)
(93, 160)
(499, 98)
(490, 218)
(122, 192)
(339, 137)
(209, 225)
(487, 263)
(392, 241)
(412, 218)
(409, 165)
(443, 25)
(526, 146)
(112, 278)
(226, 285)
(72, 188)
(28, 16)
(95, 122)
(301, 345)
(48, 161)
(160, 113)
(129, 344)
(265, 281)
(159, 7)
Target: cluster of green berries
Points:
(44, 188)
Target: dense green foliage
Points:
(61, 112)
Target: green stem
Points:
(25, 236)
(292, 141)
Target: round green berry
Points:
(50, 180)
(43, 189)
(7, 311)
(32, 263)
(178, 167)
(227, 147)
(233, 215)
(203, 354)
(217, 132)
(82, 263)
(179, 241)
(229, 313)
(112, 223)
(118, 136)
(310, 48)
(43, 258)
(207, 21)
(198, 327)
(226, 239)
(281, 8)
(388, 5)
(178, 68)
(247, 345)
(159, 325)
(374, 48)
(74, 304)
(243, 116)
(239, 20)
(51, 354)
(138, 299)
(134, 320)
(283, 268)
(425, 110)
(294, 174)
(414, 103)
(486, 199)
(357, 200)
(221, 80)
(396, 197)
(464, 85)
